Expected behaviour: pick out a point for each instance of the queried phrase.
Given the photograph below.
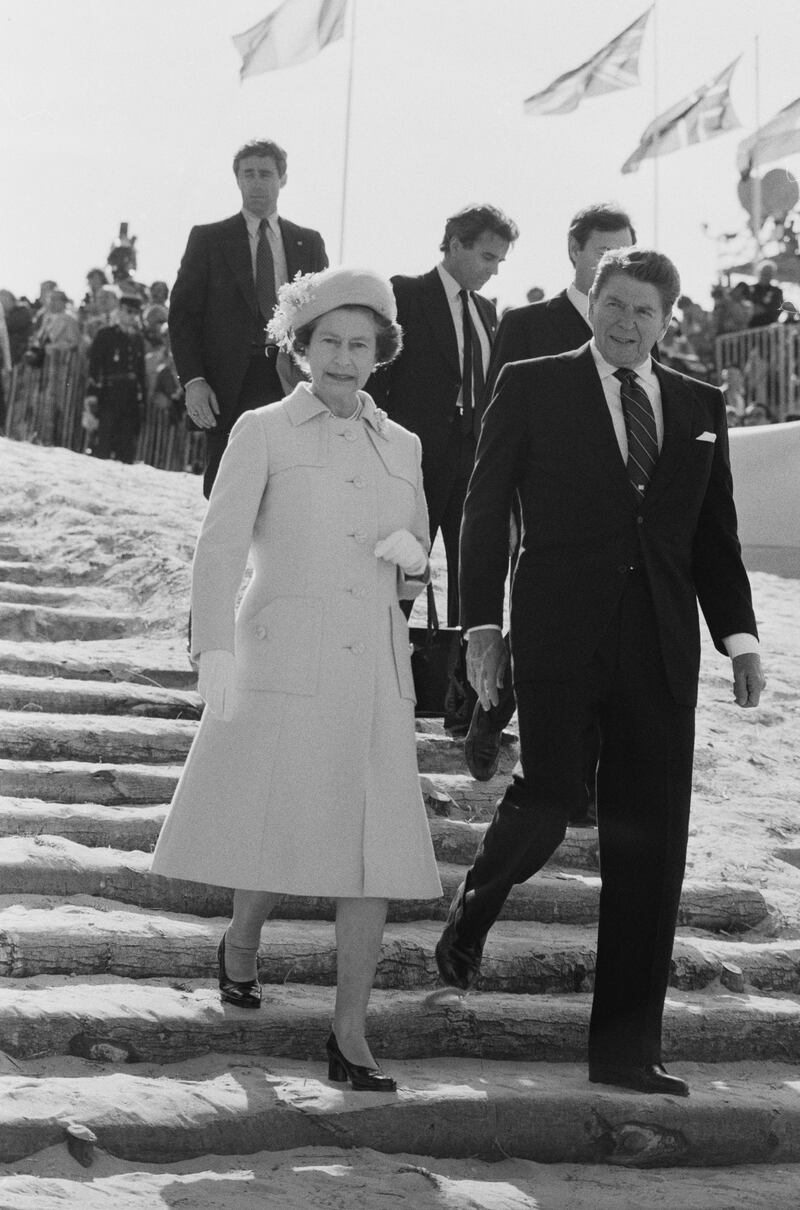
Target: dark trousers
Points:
(643, 796)
(119, 421)
(445, 491)
(261, 385)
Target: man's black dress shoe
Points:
(243, 995)
(482, 745)
(360, 1078)
(651, 1077)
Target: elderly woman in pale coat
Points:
(302, 779)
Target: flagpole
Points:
(655, 115)
(756, 177)
(348, 111)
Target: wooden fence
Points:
(769, 358)
(45, 406)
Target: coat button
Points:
(359, 536)
(640, 520)
(261, 631)
(358, 649)
(349, 435)
(359, 481)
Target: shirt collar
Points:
(579, 301)
(606, 370)
(253, 221)
(451, 287)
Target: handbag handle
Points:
(433, 617)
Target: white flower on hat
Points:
(292, 297)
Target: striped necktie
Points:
(265, 273)
(640, 427)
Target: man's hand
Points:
(748, 679)
(201, 404)
(486, 664)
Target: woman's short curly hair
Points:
(388, 337)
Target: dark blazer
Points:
(541, 329)
(548, 435)
(419, 390)
(214, 322)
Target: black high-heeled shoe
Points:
(361, 1079)
(243, 995)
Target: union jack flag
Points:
(702, 115)
(613, 67)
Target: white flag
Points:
(296, 31)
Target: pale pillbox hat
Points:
(345, 287)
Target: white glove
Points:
(402, 548)
(216, 682)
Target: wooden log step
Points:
(58, 596)
(30, 571)
(140, 659)
(737, 1114)
(53, 865)
(44, 623)
(30, 735)
(61, 696)
(124, 1021)
(69, 781)
(137, 827)
(45, 935)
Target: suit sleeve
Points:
(499, 467)
(187, 308)
(222, 547)
(720, 579)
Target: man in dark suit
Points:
(628, 520)
(436, 385)
(544, 329)
(224, 294)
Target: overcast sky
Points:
(132, 111)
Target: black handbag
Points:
(435, 653)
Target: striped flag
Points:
(702, 115)
(296, 31)
(774, 141)
(613, 67)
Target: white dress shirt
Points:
(275, 242)
(579, 301)
(452, 289)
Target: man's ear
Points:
(283, 180)
(572, 249)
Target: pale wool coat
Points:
(312, 787)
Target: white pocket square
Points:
(706, 437)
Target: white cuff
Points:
(741, 644)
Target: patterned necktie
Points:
(265, 273)
(472, 376)
(640, 426)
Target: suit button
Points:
(261, 631)
(640, 520)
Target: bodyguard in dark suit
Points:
(627, 522)
(544, 329)
(436, 386)
(224, 294)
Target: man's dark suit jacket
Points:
(541, 329)
(419, 390)
(214, 322)
(548, 434)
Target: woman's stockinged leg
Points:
(250, 910)
(359, 933)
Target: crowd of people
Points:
(118, 318)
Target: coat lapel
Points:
(676, 405)
(293, 249)
(236, 249)
(440, 319)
